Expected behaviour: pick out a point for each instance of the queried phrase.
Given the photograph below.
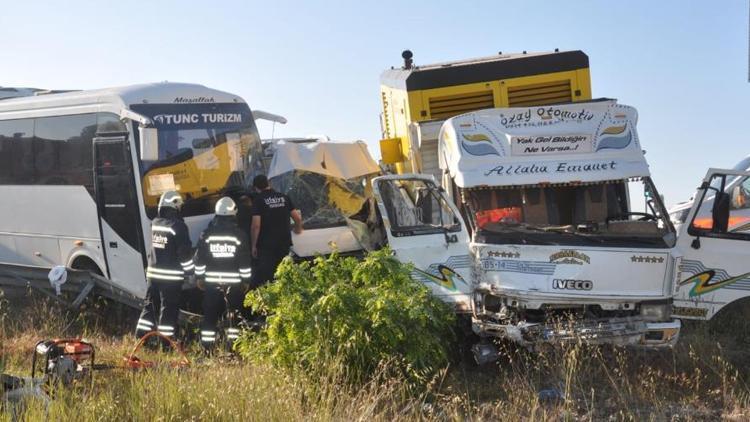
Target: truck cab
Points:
(712, 268)
(547, 226)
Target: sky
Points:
(682, 64)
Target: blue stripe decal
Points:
(526, 267)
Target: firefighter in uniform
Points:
(169, 264)
(271, 229)
(222, 263)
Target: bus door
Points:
(119, 213)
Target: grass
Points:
(703, 378)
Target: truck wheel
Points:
(729, 325)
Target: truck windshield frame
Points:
(206, 150)
(416, 207)
(607, 213)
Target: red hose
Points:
(133, 362)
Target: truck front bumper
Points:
(617, 331)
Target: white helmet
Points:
(170, 199)
(226, 206)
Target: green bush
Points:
(354, 313)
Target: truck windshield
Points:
(205, 150)
(619, 212)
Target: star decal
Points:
(647, 259)
(500, 254)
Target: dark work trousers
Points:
(214, 306)
(266, 264)
(161, 309)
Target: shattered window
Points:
(324, 201)
(416, 207)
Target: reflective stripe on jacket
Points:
(223, 253)
(171, 250)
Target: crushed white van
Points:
(328, 182)
(547, 226)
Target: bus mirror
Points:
(201, 143)
(149, 143)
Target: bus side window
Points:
(63, 150)
(16, 153)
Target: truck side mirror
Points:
(720, 212)
(149, 143)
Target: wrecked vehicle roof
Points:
(340, 160)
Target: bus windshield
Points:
(205, 150)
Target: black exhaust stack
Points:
(408, 62)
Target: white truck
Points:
(547, 226)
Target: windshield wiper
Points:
(526, 228)
(559, 230)
(522, 229)
(574, 233)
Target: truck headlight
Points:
(656, 311)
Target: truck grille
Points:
(540, 94)
(453, 105)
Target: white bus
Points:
(81, 172)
